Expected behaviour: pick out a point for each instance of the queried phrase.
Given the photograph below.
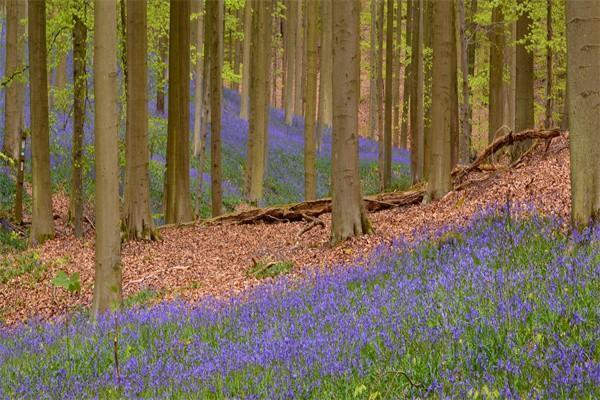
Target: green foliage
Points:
(265, 269)
(143, 297)
(21, 264)
(11, 242)
(70, 283)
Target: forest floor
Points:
(195, 261)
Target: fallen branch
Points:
(153, 274)
(504, 141)
(316, 222)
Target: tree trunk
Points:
(440, 181)
(427, 29)
(259, 99)
(163, 43)
(214, 52)
(416, 97)
(389, 60)
(348, 212)
(325, 76)
(107, 280)
(178, 204)
(454, 112)
(298, 70)
(471, 51)
(310, 172)
(246, 61)
(408, 82)
(379, 86)
(137, 216)
(79, 95)
(548, 122)
(373, 72)
(583, 55)
(524, 80)
(464, 140)
(496, 103)
(509, 87)
(14, 100)
(290, 77)
(42, 223)
(396, 77)
(196, 38)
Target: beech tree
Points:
(245, 94)
(389, 61)
(107, 280)
(325, 75)
(42, 222)
(178, 201)
(310, 148)
(417, 115)
(583, 35)
(496, 83)
(137, 216)
(348, 215)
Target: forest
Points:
(300, 199)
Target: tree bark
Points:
(107, 280)
(290, 77)
(389, 60)
(259, 99)
(373, 109)
(42, 223)
(396, 77)
(137, 216)
(379, 86)
(214, 51)
(408, 82)
(496, 103)
(548, 122)
(79, 95)
(178, 203)
(583, 56)
(348, 211)
(464, 141)
(299, 69)
(163, 43)
(14, 100)
(524, 118)
(196, 38)
(416, 97)
(246, 61)
(310, 172)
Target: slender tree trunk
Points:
(79, 95)
(464, 140)
(583, 55)
(310, 172)
(379, 86)
(196, 38)
(236, 55)
(389, 60)
(163, 43)
(408, 82)
(373, 72)
(259, 99)
(440, 182)
(107, 280)
(427, 29)
(348, 216)
(14, 100)
(178, 204)
(549, 67)
(290, 79)
(42, 223)
(417, 116)
(246, 61)
(299, 69)
(509, 87)
(524, 81)
(454, 112)
(471, 51)
(396, 76)
(137, 216)
(325, 76)
(214, 51)
(496, 102)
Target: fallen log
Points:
(503, 141)
(310, 210)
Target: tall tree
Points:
(163, 49)
(197, 32)
(348, 215)
(259, 99)
(245, 95)
(549, 65)
(496, 102)
(15, 91)
(310, 148)
(373, 109)
(107, 280)
(79, 95)
(389, 61)
(441, 100)
(379, 92)
(290, 57)
(137, 216)
(178, 203)
(42, 223)
(407, 88)
(214, 52)
(464, 139)
(583, 54)
(524, 80)
(396, 76)
(299, 69)
(417, 116)
(325, 75)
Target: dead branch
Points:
(315, 222)
(153, 274)
(504, 141)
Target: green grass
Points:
(265, 269)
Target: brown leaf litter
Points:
(195, 261)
